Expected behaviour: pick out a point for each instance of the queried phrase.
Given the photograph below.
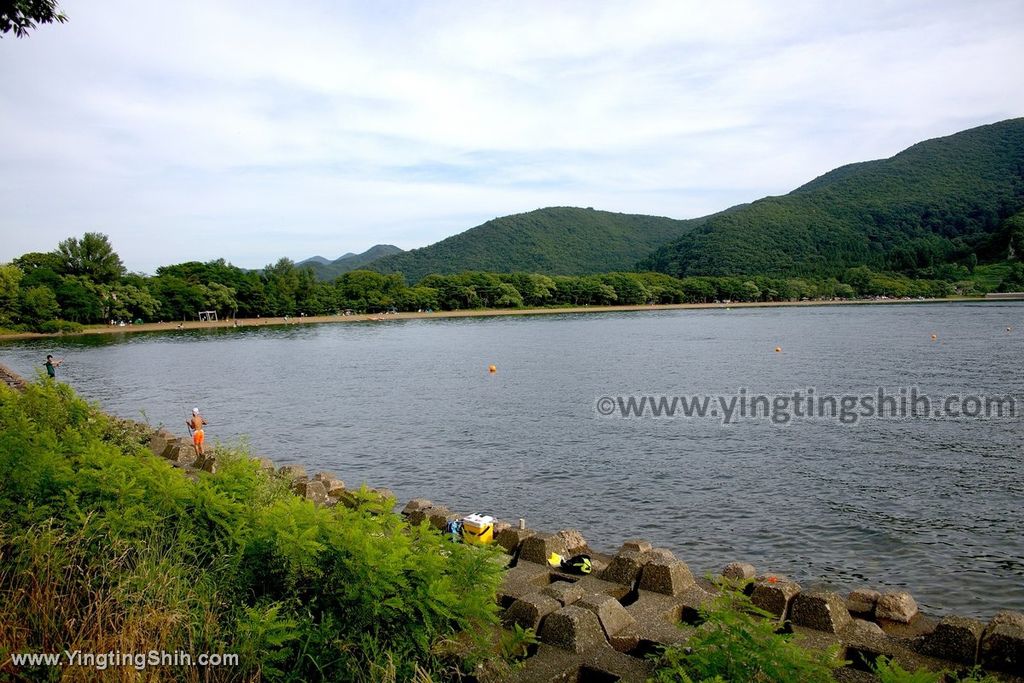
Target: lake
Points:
(934, 505)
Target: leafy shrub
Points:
(738, 642)
(106, 547)
(61, 326)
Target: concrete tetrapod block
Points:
(160, 441)
(619, 626)
(739, 571)
(636, 545)
(181, 453)
(439, 516)
(899, 607)
(292, 471)
(574, 541)
(1002, 644)
(523, 579)
(529, 610)
(538, 548)
(416, 504)
(511, 538)
(563, 591)
(774, 596)
(311, 490)
(668, 577)
(625, 566)
(821, 611)
(863, 601)
(956, 639)
(573, 628)
(265, 465)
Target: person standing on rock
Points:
(195, 425)
(52, 365)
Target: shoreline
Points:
(466, 313)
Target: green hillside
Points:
(328, 270)
(552, 241)
(943, 201)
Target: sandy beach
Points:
(473, 313)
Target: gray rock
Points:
(739, 571)
(668, 577)
(899, 607)
(572, 628)
(955, 638)
(821, 611)
(1002, 644)
(311, 490)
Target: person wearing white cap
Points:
(195, 425)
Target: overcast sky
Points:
(254, 130)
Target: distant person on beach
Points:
(52, 365)
(195, 425)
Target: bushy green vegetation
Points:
(551, 241)
(104, 547)
(739, 642)
(950, 201)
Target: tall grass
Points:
(105, 547)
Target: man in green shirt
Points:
(52, 365)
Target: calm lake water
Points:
(932, 505)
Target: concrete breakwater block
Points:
(956, 639)
(1002, 643)
(563, 591)
(181, 453)
(618, 625)
(292, 472)
(311, 490)
(899, 607)
(863, 601)
(529, 610)
(574, 541)
(161, 441)
(330, 482)
(416, 505)
(739, 571)
(265, 465)
(626, 565)
(511, 538)
(821, 611)
(538, 547)
(773, 594)
(573, 628)
(666, 576)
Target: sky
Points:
(252, 130)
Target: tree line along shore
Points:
(83, 283)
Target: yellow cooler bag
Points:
(478, 529)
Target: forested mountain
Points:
(328, 270)
(552, 241)
(943, 201)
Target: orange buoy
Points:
(778, 349)
(934, 337)
(492, 368)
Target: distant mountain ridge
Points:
(328, 270)
(939, 201)
(551, 241)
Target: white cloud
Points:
(256, 130)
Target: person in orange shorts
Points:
(195, 425)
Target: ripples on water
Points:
(936, 506)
